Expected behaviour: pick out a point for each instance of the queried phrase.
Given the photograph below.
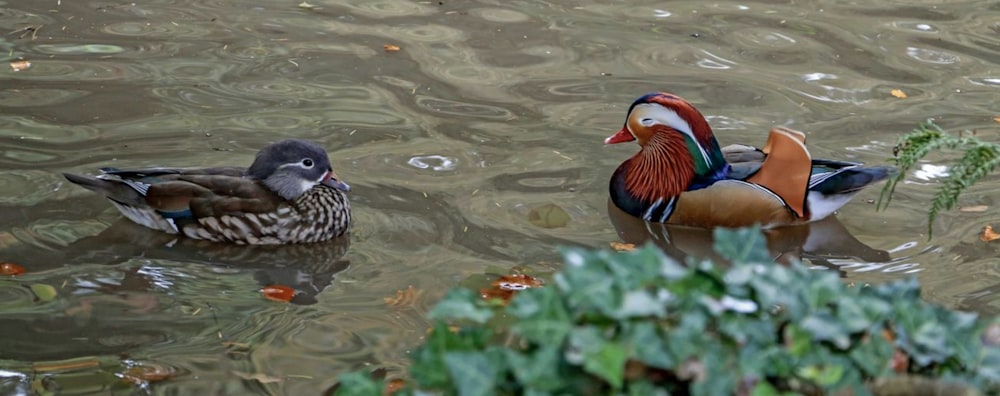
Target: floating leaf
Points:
(517, 282)
(44, 292)
(391, 48)
(19, 65)
(505, 287)
(259, 377)
(898, 93)
(11, 269)
(146, 372)
(622, 247)
(278, 293)
(404, 298)
(988, 234)
(549, 216)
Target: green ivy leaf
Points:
(542, 317)
(930, 344)
(608, 362)
(825, 327)
(590, 287)
(824, 375)
(460, 304)
(649, 344)
(538, 370)
(852, 316)
(358, 384)
(742, 245)
(472, 373)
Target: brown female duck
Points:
(288, 195)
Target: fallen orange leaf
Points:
(391, 48)
(898, 93)
(505, 287)
(404, 297)
(278, 293)
(11, 269)
(517, 282)
(19, 65)
(623, 247)
(392, 386)
(996, 119)
(900, 362)
(143, 374)
(988, 234)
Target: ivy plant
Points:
(641, 323)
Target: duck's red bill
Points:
(623, 135)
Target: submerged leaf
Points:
(11, 269)
(280, 293)
(404, 298)
(549, 216)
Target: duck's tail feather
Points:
(112, 189)
(850, 179)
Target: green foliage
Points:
(640, 323)
(979, 159)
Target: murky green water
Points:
(489, 110)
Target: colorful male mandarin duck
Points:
(681, 176)
(288, 195)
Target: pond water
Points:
(488, 111)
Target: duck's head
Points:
(661, 115)
(677, 152)
(292, 167)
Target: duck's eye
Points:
(646, 122)
(307, 163)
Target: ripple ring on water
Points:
(428, 161)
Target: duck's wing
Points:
(181, 193)
(786, 168)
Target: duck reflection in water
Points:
(307, 268)
(817, 242)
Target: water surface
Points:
(488, 111)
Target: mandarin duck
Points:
(289, 194)
(681, 176)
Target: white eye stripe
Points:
(300, 164)
(653, 113)
(657, 113)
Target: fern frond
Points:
(980, 159)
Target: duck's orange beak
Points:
(623, 135)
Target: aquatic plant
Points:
(641, 323)
(979, 159)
